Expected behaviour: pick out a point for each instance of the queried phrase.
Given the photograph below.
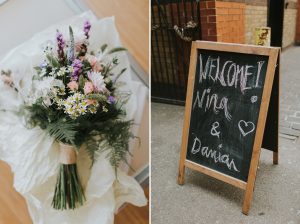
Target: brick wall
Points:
(208, 20)
(297, 36)
(289, 27)
(223, 21)
(255, 16)
(252, 2)
(230, 22)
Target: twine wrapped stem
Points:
(68, 191)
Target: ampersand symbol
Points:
(213, 130)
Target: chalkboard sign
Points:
(225, 107)
(227, 101)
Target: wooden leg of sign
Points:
(270, 139)
(275, 158)
(248, 195)
(258, 140)
(181, 172)
(277, 86)
(251, 180)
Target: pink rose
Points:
(90, 102)
(78, 46)
(88, 88)
(73, 85)
(92, 60)
(96, 66)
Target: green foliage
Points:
(71, 51)
(98, 97)
(92, 146)
(115, 135)
(63, 130)
(117, 49)
(121, 72)
(38, 69)
(81, 82)
(103, 131)
(103, 47)
(53, 61)
(118, 139)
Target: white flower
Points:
(57, 87)
(58, 83)
(41, 88)
(75, 105)
(61, 71)
(52, 73)
(98, 81)
(47, 101)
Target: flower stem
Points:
(68, 191)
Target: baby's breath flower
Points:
(104, 109)
(52, 73)
(61, 71)
(76, 105)
(60, 103)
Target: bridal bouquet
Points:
(75, 97)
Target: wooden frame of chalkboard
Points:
(246, 182)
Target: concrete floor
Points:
(203, 199)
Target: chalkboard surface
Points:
(226, 102)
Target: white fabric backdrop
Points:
(33, 155)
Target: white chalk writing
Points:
(253, 99)
(214, 131)
(230, 74)
(215, 155)
(246, 127)
(212, 101)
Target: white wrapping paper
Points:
(34, 156)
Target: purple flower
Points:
(87, 28)
(61, 44)
(60, 40)
(111, 99)
(77, 66)
(43, 64)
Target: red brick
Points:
(223, 4)
(211, 4)
(212, 38)
(297, 36)
(208, 12)
(221, 11)
(234, 11)
(205, 32)
(229, 17)
(212, 32)
(204, 19)
(209, 38)
(212, 19)
(235, 5)
(202, 5)
(235, 17)
(221, 18)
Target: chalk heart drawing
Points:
(246, 127)
(253, 99)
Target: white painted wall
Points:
(21, 19)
